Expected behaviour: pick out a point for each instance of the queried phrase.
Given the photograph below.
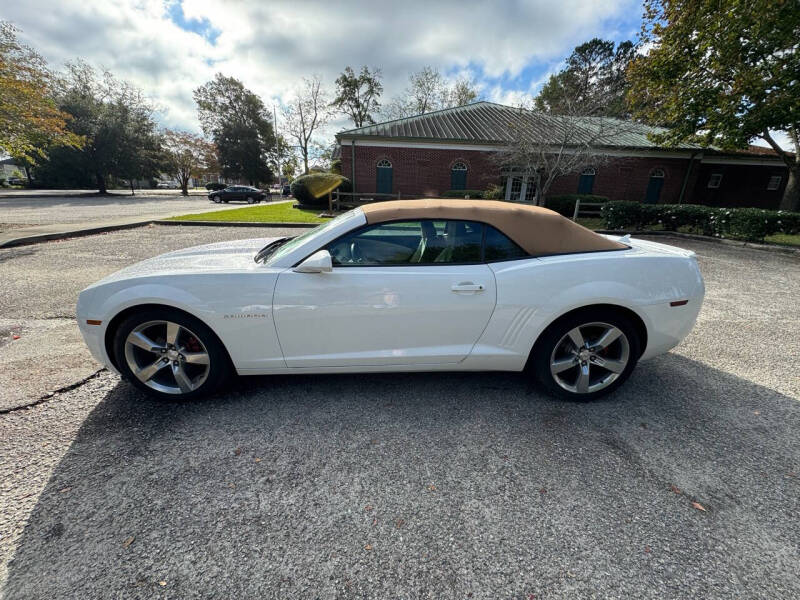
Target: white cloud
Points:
(269, 46)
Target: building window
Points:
(714, 180)
(384, 170)
(458, 176)
(586, 181)
(774, 183)
(654, 185)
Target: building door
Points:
(513, 189)
(654, 187)
(384, 182)
(521, 189)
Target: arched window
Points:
(458, 176)
(384, 177)
(654, 186)
(586, 181)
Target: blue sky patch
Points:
(201, 27)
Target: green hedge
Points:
(749, 224)
(300, 187)
(463, 193)
(565, 204)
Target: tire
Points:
(194, 365)
(588, 364)
(251, 200)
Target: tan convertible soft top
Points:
(537, 230)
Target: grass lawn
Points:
(784, 238)
(263, 213)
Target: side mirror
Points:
(319, 262)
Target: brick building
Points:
(454, 149)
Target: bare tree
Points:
(427, 91)
(462, 91)
(305, 114)
(544, 146)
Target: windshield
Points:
(309, 235)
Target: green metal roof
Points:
(495, 124)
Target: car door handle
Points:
(467, 286)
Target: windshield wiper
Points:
(264, 253)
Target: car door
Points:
(401, 293)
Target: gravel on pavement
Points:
(684, 483)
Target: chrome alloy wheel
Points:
(167, 357)
(589, 357)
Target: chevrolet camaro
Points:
(416, 285)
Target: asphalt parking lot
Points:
(684, 483)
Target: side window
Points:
(410, 243)
(497, 246)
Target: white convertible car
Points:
(418, 285)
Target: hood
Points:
(230, 256)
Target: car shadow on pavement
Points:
(683, 483)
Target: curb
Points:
(705, 238)
(233, 224)
(61, 235)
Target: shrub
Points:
(463, 193)
(212, 186)
(336, 166)
(494, 192)
(312, 189)
(749, 224)
(565, 204)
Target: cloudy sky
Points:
(169, 47)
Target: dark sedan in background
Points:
(243, 193)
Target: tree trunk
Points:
(101, 183)
(133, 193)
(791, 194)
(184, 187)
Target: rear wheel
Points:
(170, 354)
(586, 355)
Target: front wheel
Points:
(169, 354)
(586, 355)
